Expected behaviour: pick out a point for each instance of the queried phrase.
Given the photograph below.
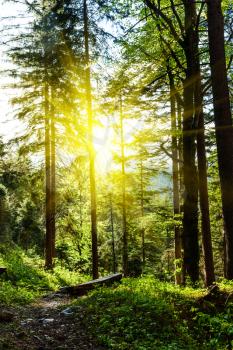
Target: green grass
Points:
(143, 314)
(26, 278)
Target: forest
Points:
(116, 174)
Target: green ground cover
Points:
(137, 314)
(143, 314)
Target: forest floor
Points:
(48, 323)
(136, 314)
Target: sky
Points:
(9, 126)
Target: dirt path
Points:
(50, 323)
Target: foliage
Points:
(148, 314)
(26, 278)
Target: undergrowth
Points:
(138, 314)
(26, 278)
(144, 314)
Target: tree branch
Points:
(173, 7)
(199, 16)
(161, 14)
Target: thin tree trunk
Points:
(53, 175)
(113, 237)
(142, 213)
(95, 269)
(124, 221)
(202, 176)
(223, 122)
(80, 207)
(181, 181)
(175, 180)
(48, 238)
(47, 119)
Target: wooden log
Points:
(2, 270)
(84, 288)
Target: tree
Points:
(223, 122)
(124, 220)
(47, 56)
(175, 177)
(95, 272)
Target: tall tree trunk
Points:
(95, 268)
(175, 180)
(114, 263)
(53, 174)
(47, 120)
(202, 175)
(142, 213)
(204, 203)
(124, 221)
(223, 122)
(181, 179)
(190, 217)
(48, 238)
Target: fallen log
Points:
(2, 270)
(84, 288)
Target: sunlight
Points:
(106, 142)
(103, 145)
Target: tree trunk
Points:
(48, 238)
(124, 221)
(223, 122)
(84, 288)
(175, 180)
(95, 269)
(204, 204)
(181, 180)
(47, 140)
(202, 176)
(142, 213)
(190, 217)
(53, 175)
(114, 263)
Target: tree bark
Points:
(114, 262)
(47, 128)
(190, 207)
(124, 220)
(181, 179)
(95, 268)
(142, 213)
(48, 237)
(202, 176)
(53, 174)
(223, 122)
(204, 204)
(175, 181)
(84, 288)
